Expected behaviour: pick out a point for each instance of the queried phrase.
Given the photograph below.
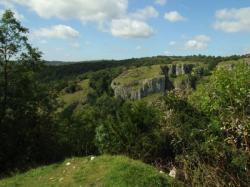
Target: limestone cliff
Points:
(148, 86)
(140, 82)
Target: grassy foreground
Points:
(117, 171)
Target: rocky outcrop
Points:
(139, 89)
(148, 86)
(180, 69)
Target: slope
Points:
(101, 171)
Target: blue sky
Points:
(117, 29)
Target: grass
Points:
(135, 76)
(106, 171)
(69, 98)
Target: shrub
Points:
(224, 155)
(226, 98)
(134, 130)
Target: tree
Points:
(27, 133)
(12, 40)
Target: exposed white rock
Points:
(68, 163)
(158, 84)
(172, 172)
(92, 158)
(148, 86)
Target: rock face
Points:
(149, 86)
(180, 69)
(161, 83)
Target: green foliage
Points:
(79, 96)
(72, 87)
(79, 132)
(223, 158)
(226, 99)
(184, 124)
(100, 83)
(27, 131)
(134, 129)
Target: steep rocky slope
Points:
(137, 83)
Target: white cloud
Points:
(85, 10)
(174, 16)
(161, 2)
(138, 47)
(198, 42)
(57, 31)
(233, 20)
(75, 45)
(147, 12)
(134, 25)
(172, 43)
(6, 3)
(129, 28)
(110, 15)
(43, 41)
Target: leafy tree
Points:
(12, 41)
(27, 132)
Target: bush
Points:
(134, 130)
(223, 157)
(183, 123)
(226, 98)
(78, 131)
(72, 87)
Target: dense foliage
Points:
(27, 106)
(133, 130)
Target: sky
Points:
(77, 30)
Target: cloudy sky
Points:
(118, 29)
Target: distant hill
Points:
(57, 70)
(100, 171)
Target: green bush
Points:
(226, 98)
(78, 131)
(133, 130)
(224, 155)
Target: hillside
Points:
(67, 70)
(76, 97)
(101, 171)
